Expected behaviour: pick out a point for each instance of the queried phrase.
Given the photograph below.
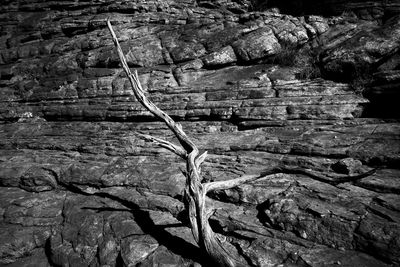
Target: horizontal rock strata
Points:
(79, 188)
(112, 173)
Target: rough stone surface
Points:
(257, 44)
(358, 53)
(224, 56)
(79, 188)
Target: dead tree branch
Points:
(222, 185)
(195, 195)
(195, 191)
(138, 91)
(165, 144)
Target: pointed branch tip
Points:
(165, 144)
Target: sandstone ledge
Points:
(104, 171)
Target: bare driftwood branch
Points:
(200, 159)
(138, 91)
(333, 180)
(221, 185)
(195, 195)
(165, 144)
(195, 191)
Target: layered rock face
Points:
(256, 90)
(366, 10)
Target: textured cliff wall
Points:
(254, 89)
(367, 10)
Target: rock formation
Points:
(256, 88)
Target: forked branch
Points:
(195, 195)
(165, 144)
(195, 191)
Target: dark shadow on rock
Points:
(119, 261)
(261, 215)
(104, 209)
(173, 243)
(47, 251)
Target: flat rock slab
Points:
(387, 181)
(107, 187)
